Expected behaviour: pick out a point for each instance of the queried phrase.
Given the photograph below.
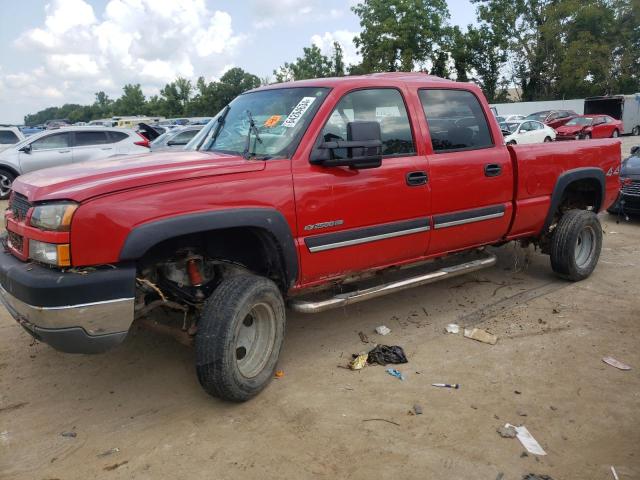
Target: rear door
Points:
(358, 219)
(47, 151)
(470, 174)
(91, 145)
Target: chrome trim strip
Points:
(372, 238)
(468, 220)
(96, 318)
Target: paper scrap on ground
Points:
(480, 335)
(615, 363)
(527, 440)
(383, 330)
(453, 328)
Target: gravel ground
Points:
(138, 411)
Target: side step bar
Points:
(344, 299)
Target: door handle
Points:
(416, 178)
(492, 170)
(64, 151)
(106, 148)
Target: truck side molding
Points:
(142, 238)
(568, 177)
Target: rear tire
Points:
(547, 139)
(636, 130)
(6, 182)
(240, 334)
(615, 134)
(576, 244)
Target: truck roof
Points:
(363, 80)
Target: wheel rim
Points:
(255, 338)
(585, 247)
(615, 134)
(5, 185)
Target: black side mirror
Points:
(635, 150)
(363, 148)
(26, 148)
(172, 143)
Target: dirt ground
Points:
(323, 421)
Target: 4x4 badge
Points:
(317, 226)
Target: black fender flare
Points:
(145, 236)
(564, 180)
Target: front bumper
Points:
(72, 312)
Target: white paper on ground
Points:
(527, 440)
(616, 363)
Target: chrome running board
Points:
(343, 299)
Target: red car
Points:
(308, 194)
(584, 127)
(553, 118)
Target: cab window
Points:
(456, 120)
(382, 105)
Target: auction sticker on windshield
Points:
(297, 113)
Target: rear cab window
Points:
(383, 105)
(456, 120)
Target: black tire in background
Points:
(6, 181)
(636, 130)
(576, 244)
(240, 334)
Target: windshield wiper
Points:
(221, 120)
(247, 146)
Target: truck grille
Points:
(15, 241)
(19, 206)
(632, 189)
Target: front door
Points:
(357, 219)
(470, 172)
(48, 151)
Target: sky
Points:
(63, 51)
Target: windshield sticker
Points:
(297, 113)
(272, 121)
(393, 111)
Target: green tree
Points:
(337, 61)
(132, 101)
(487, 57)
(312, 64)
(460, 53)
(397, 35)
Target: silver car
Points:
(63, 146)
(175, 138)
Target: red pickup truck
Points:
(312, 194)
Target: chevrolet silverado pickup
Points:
(309, 195)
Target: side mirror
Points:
(363, 148)
(26, 148)
(172, 143)
(635, 150)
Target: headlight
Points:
(53, 216)
(51, 253)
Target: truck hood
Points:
(81, 181)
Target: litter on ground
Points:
(417, 409)
(480, 335)
(385, 354)
(383, 330)
(527, 440)
(395, 373)
(616, 363)
(446, 385)
(507, 432)
(359, 361)
(453, 328)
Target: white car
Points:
(52, 148)
(10, 136)
(531, 131)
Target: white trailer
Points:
(620, 107)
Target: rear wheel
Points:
(576, 245)
(6, 181)
(240, 334)
(615, 134)
(636, 130)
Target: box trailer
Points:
(620, 107)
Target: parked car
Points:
(64, 147)
(585, 127)
(553, 118)
(10, 136)
(175, 139)
(509, 118)
(628, 201)
(309, 194)
(528, 131)
(625, 108)
(28, 131)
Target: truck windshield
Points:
(280, 117)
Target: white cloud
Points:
(79, 51)
(345, 38)
(271, 13)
